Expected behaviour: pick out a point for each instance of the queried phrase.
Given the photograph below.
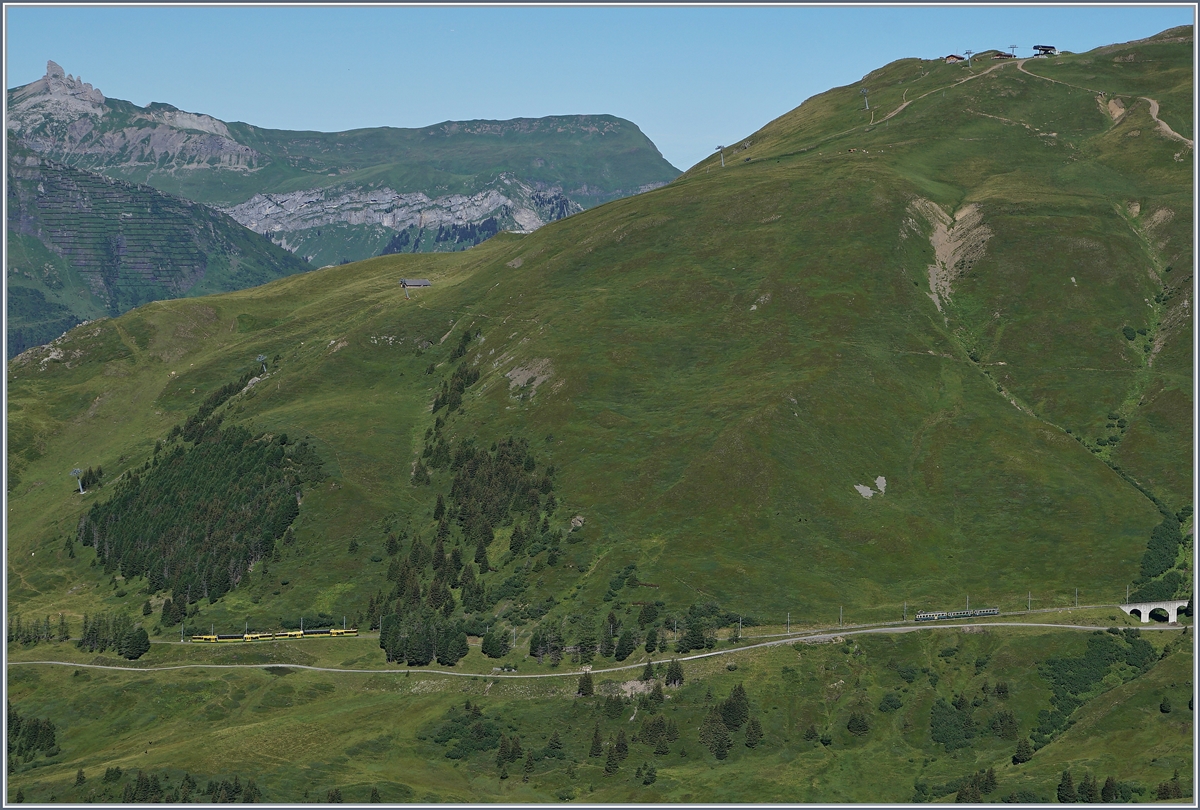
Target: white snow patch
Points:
(866, 492)
(881, 484)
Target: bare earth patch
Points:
(533, 375)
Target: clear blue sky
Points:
(690, 77)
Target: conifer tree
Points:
(597, 748)
(753, 733)
(714, 734)
(586, 688)
(251, 794)
(528, 766)
(989, 783)
(514, 748)
(674, 673)
(375, 799)
(1066, 789)
(502, 755)
(857, 724)
(736, 708)
(1108, 793)
(1024, 751)
(648, 672)
(607, 643)
(1089, 791)
(650, 775)
(626, 644)
(613, 762)
(968, 793)
(662, 745)
(79, 777)
(504, 771)
(586, 645)
(64, 634)
(651, 639)
(553, 745)
(621, 745)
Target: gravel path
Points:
(822, 636)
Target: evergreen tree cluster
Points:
(951, 724)
(28, 737)
(509, 750)
(226, 791)
(973, 788)
(658, 732)
(1071, 678)
(91, 478)
(419, 637)
(890, 702)
(547, 642)
(1172, 789)
(465, 730)
(1004, 725)
(1162, 548)
(36, 632)
(195, 519)
(451, 394)
(113, 631)
(857, 724)
(491, 488)
(726, 717)
(701, 623)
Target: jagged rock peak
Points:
(58, 82)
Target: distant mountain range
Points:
(338, 197)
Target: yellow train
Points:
(327, 631)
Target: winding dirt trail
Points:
(1163, 126)
(792, 639)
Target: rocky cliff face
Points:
(519, 207)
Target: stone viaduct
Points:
(1142, 609)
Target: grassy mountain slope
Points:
(929, 308)
(726, 358)
(83, 246)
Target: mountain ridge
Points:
(583, 159)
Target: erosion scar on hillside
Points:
(958, 242)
